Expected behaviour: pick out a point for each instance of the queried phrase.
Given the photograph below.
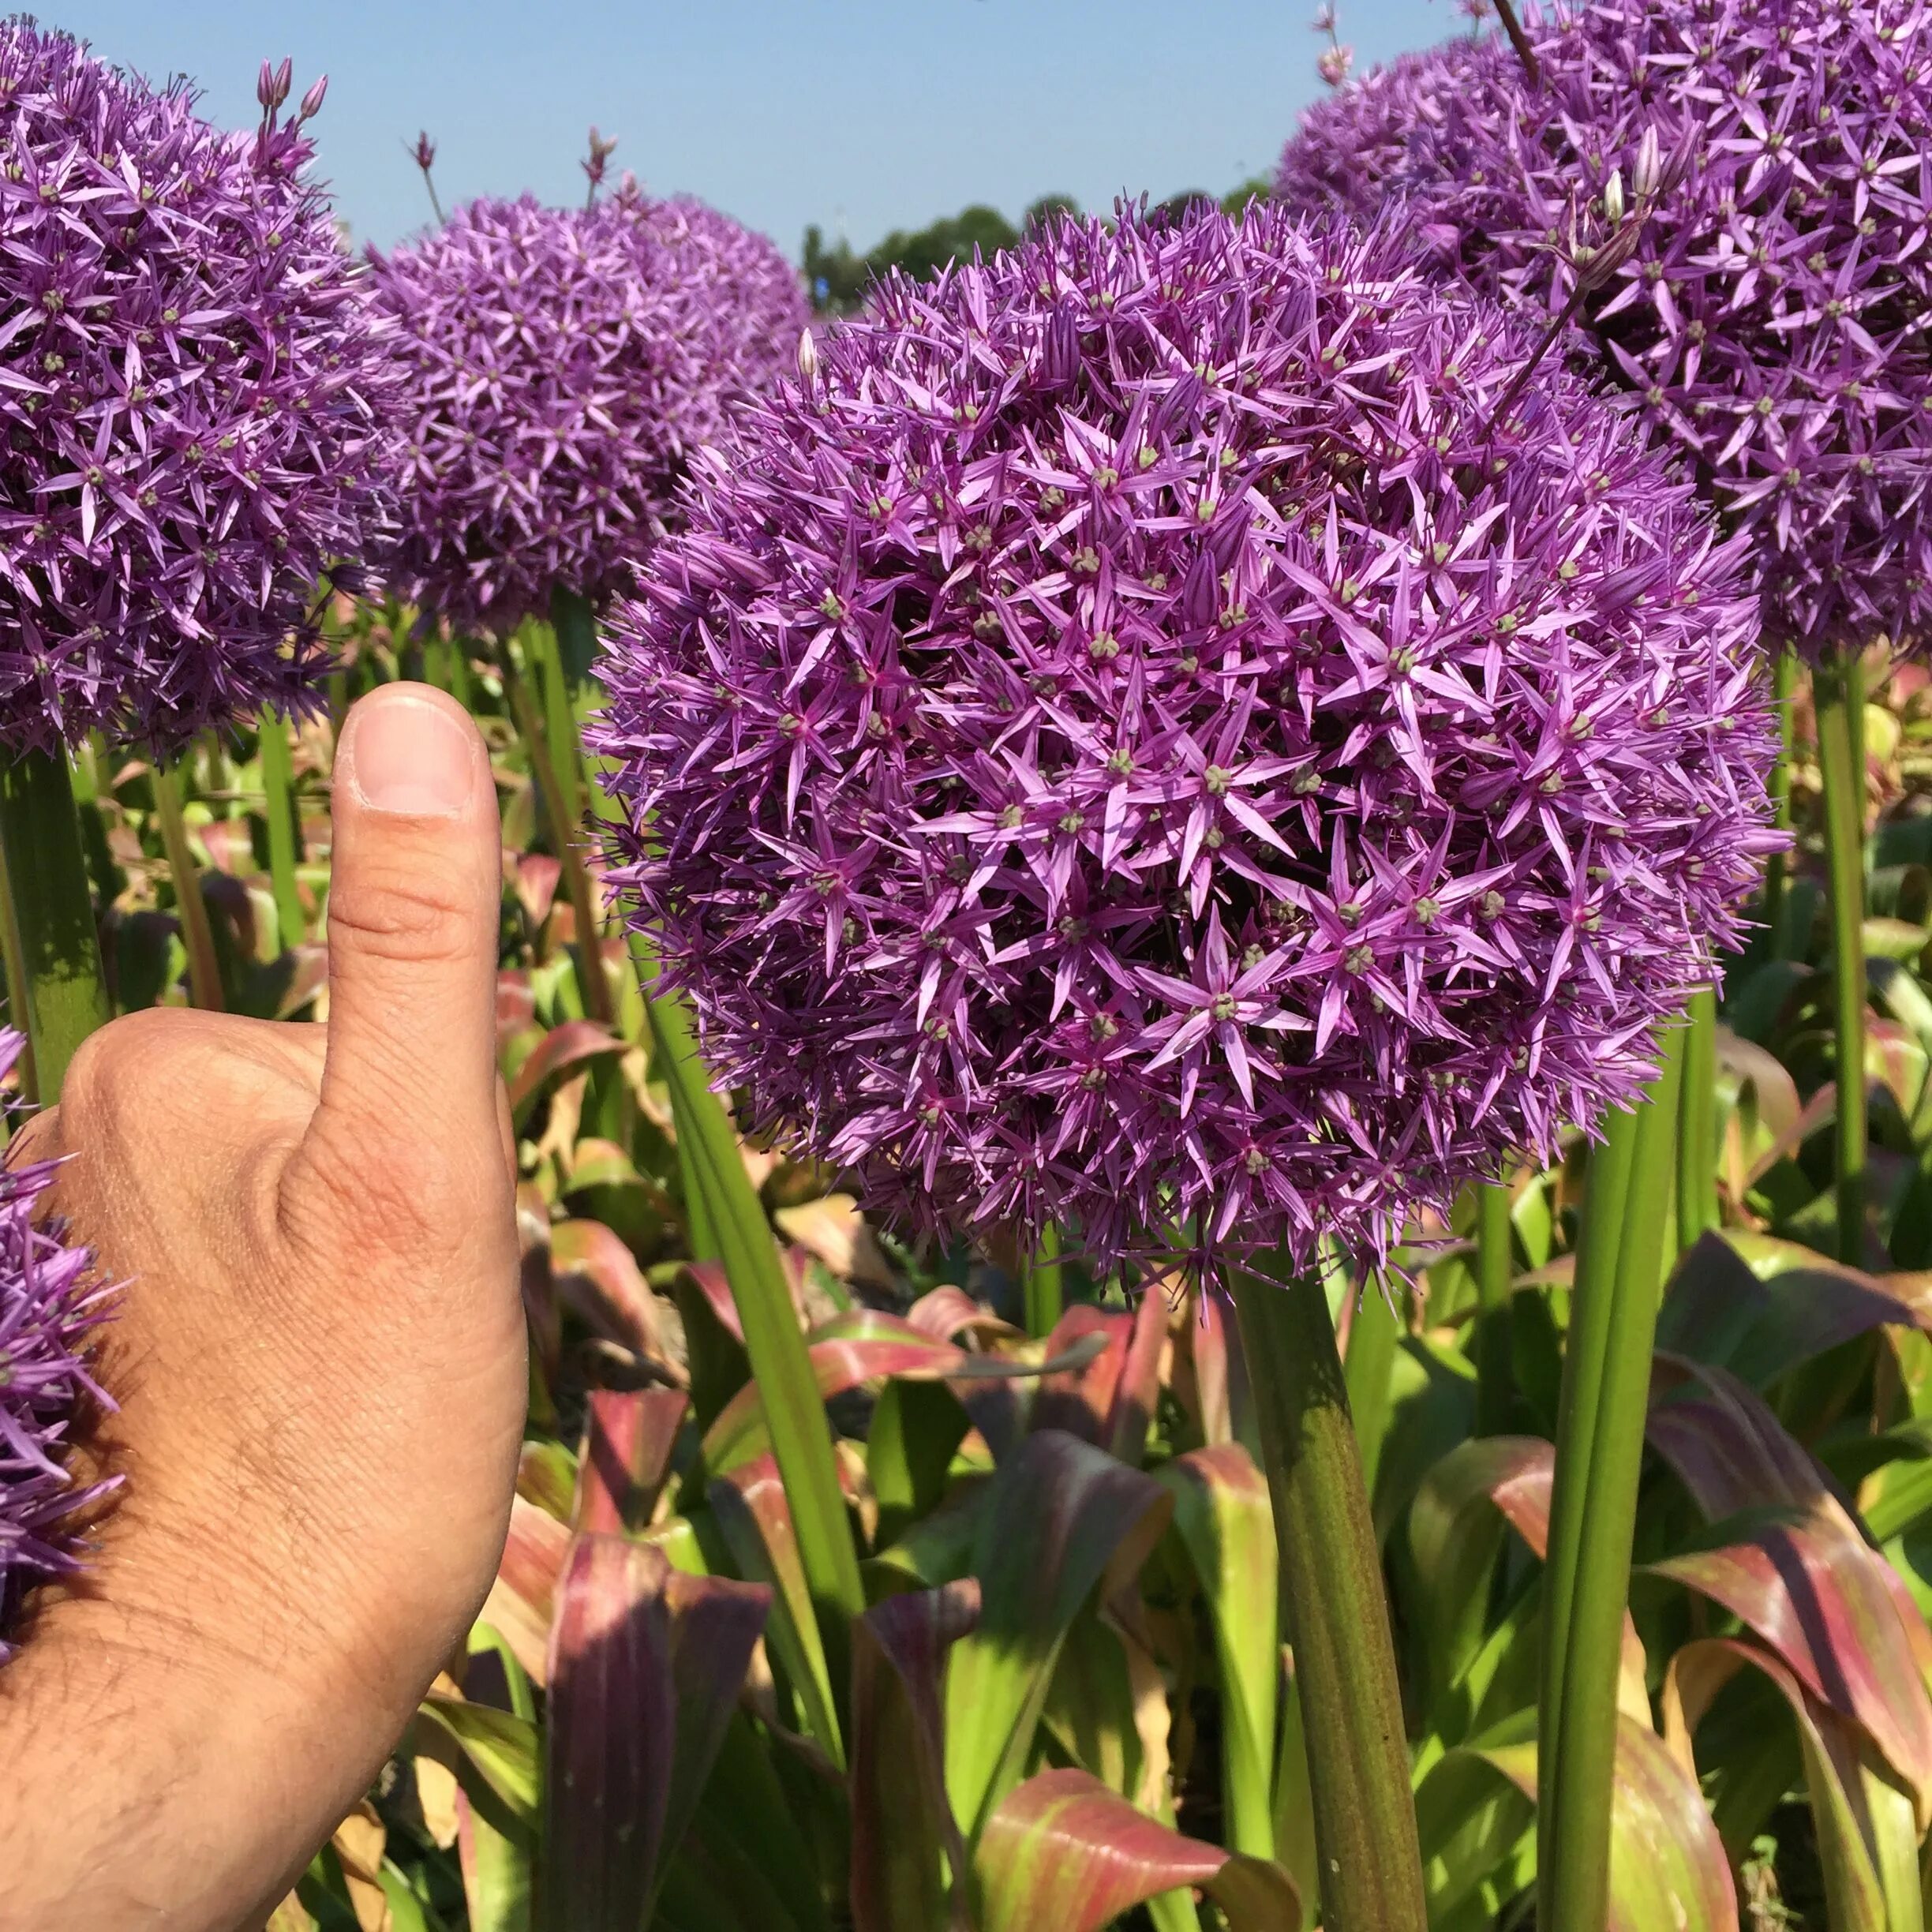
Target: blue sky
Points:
(880, 114)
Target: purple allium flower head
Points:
(191, 386)
(1127, 742)
(48, 1304)
(561, 365)
(1770, 318)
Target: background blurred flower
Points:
(191, 392)
(560, 367)
(1132, 740)
(48, 1303)
(1770, 318)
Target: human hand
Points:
(319, 1358)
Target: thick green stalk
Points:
(1041, 1285)
(14, 966)
(1838, 693)
(1334, 1612)
(1600, 1445)
(1496, 1279)
(575, 625)
(205, 983)
(284, 825)
(1592, 1310)
(1697, 1126)
(801, 1436)
(1783, 683)
(66, 994)
(564, 828)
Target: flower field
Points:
(1213, 983)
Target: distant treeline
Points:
(839, 278)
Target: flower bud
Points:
(311, 101)
(1613, 198)
(426, 151)
(807, 357)
(1647, 176)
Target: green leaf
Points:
(801, 1436)
(503, 1749)
(1223, 1516)
(1060, 1513)
(1064, 1853)
(749, 1502)
(498, 1871)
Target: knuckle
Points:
(114, 1066)
(418, 918)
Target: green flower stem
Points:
(1600, 1440)
(564, 828)
(1334, 1612)
(1040, 1283)
(66, 994)
(1783, 683)
(560, 718)
(14, 965)
(1697, 1130)
(1496, 1277)
(205, 983)
(1839, 696)
(801, 1436)
(284, 820)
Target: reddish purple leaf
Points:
(598, 1278)
(521, 1600)
(1064, 1853)
(1801, 1575)
(628, 1438)
(901, 1820)
(536, 876)
(569, 1045)
(516, 1005)
(1081, 1401)
(1138, 1393)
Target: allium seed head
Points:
(1419, 774)
(190, 388)
(560, 367)
(1768, 318)
(48, 1304)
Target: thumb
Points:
(408, 1102)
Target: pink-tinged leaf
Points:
(1819, 1112)
(1857, 1841)
(948, 1312)
(598, 1276)
(901, 1820)
(1758, 1321)
(645, 1668)
(1062, 1515)
(832, 1232)
(1081, 1401)
(711, 1282)
(570, 1045)
(868, 1345)
(609, 1739)
(749, 1502)
(1138, 1394)
(1667, 1866)
(625, 1459)
(516, 1005)
(1454, 1553)
(521, 1600)
(229, 844)
(1211, 1348)
(1064, 1853)
(536, 876)
(1799, 1573)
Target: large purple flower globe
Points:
(49, 1302)
(1770, 321)
(191, 390)
(560, 365)
(1131, 742)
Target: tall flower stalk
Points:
(1224, 756)
(1838, 698)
